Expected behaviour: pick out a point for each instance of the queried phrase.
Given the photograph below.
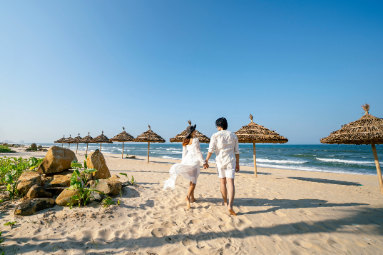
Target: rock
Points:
(26, 181)
(95, 196)
(30, 206)
(31, 176)
(65, 197)
(33, 147)
(56, 160)
(109, 187)
(60, 181)
(24, 186)
(97, 161)
(55, 190)
(37, 191)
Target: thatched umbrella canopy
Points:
(149, 137)
(254, 133)
(366, 130)
(180, 137)
(61, 140)
(77, 140)
(101, 139)
(69, 140)
(87, 139)
(123, 137)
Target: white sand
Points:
(280, 212)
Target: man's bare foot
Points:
(187, 203)
(232, 212)
(192, 200)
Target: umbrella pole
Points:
(255, 161)
(377, 167)
(148, 151)
(76, 148)
(86, 153)
(122, 155)
(100, 147)
(62, 145)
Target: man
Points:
(225, 145)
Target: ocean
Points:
(350, 159)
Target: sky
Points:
(301, 68)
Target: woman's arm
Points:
(184, 151)
(199, 153)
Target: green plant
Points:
(106, 202)
(132, 181)
(11, 187)
(4, 148)
(78, 182)
(124, 174)
(10, 223)
(1, 239)
(34, 163)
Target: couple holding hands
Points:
(225, 146)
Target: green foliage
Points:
(106, 202)
(10, 223)
(5, 149)
(78, 182)
(124, 174)
(132, 181)
(34, 163)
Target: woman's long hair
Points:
(186, 140)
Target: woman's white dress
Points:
(189, 167)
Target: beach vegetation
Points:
(78, 181)
(108, 201)
(5, 149)
(10, 223)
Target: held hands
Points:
(206, 165)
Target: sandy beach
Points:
(280, 212)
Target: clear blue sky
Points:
(302, 68)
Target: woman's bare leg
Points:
(191, 190)
(192, 199)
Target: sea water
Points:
(351, 159)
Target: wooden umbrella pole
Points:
(148, 151)
(377, 167)
(77, 148)
(86, 153)
(255, 161)
(122, 155)
(62, 145)
(100, 147)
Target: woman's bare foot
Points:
(187, 203)
(223, 203)
(232, 212)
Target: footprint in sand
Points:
(195, 222)
(187, 242)
(160, 232)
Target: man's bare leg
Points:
(231, 193)
(188, 198)
(223, 190)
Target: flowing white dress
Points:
(189, 167)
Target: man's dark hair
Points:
(221, 122)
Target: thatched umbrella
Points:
(77, 140)
(101, 139)
(61, 140)
(69, 140)
(149, 137)
(87, 139)
(366, 130)
(180, 137)
(122, 137)
(254, 133)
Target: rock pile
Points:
(53, 177)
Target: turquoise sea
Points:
(351, 159)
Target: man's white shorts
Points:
(226, 172)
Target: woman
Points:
(190, 164)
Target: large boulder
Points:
(65, 197)
(37, 191)
(109, 187)
(56, 160)
(97, 161)
(30, 206)
(26, 181)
